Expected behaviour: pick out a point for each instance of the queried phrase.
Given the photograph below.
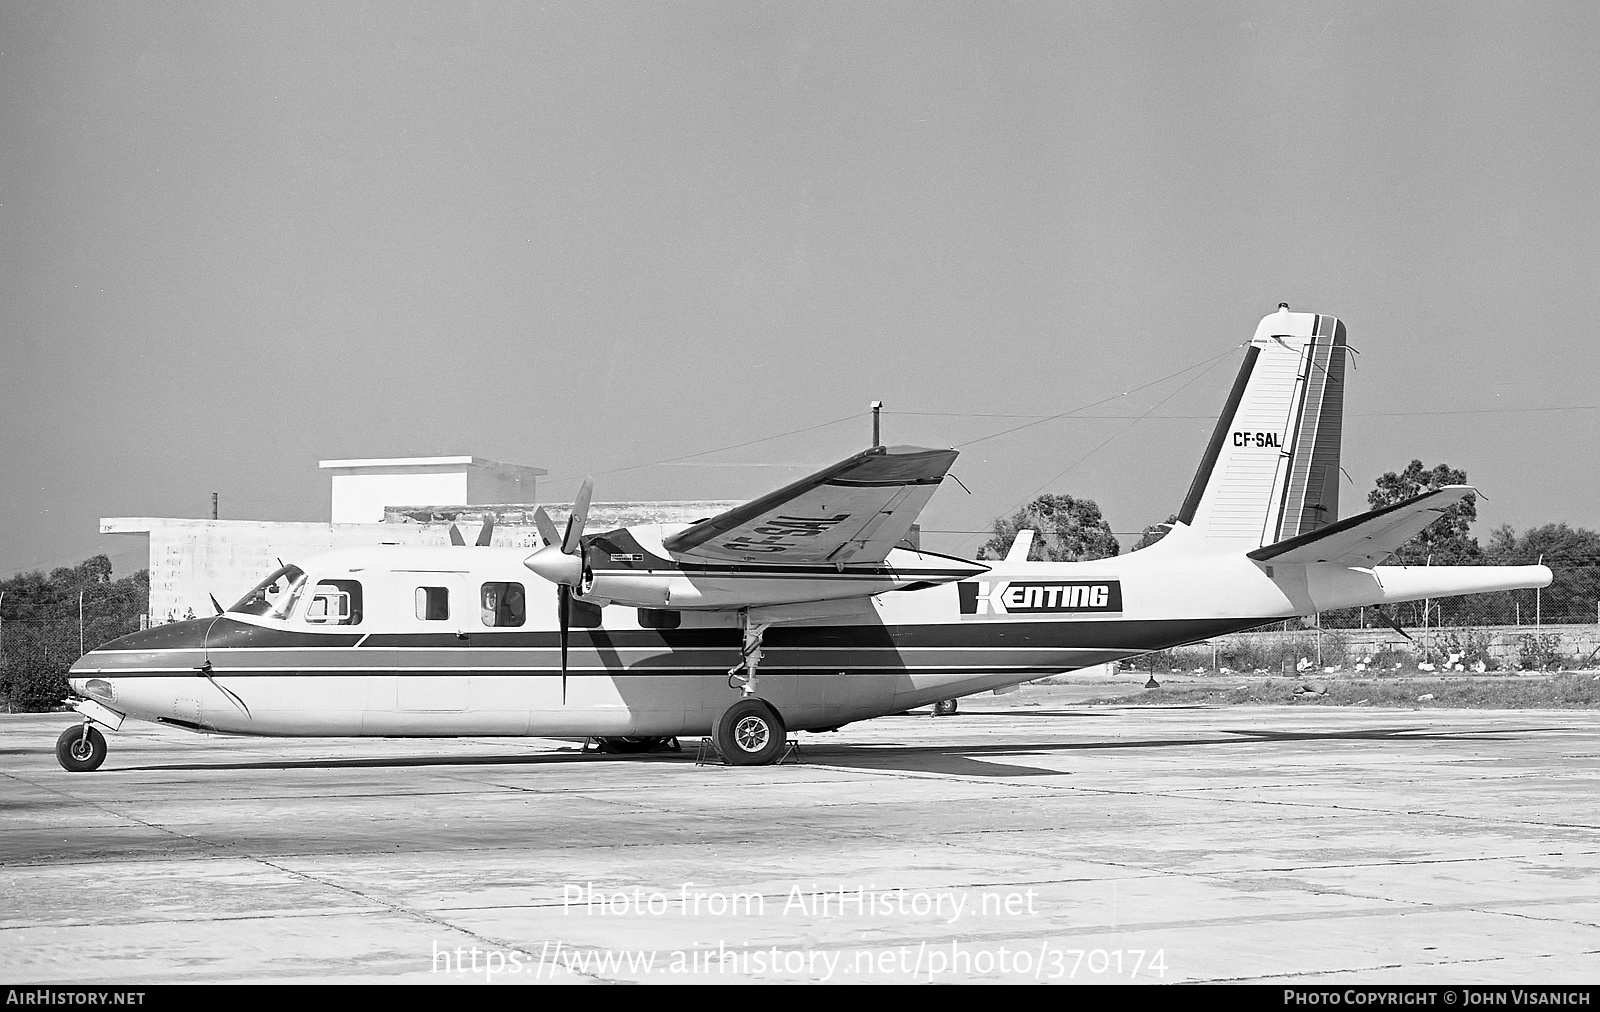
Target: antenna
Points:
(876, 407)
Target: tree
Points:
(1153, 533)
(41, 632)
(1070, 530)
(1447, 539)
(1570, 552)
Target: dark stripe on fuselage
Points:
(222, 632)
(1096, 634)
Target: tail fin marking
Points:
(1271, 469)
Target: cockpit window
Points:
(335, 602)
(275, 596)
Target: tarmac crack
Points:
(234, 851)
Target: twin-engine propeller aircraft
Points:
(802, 610)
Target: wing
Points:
(854, 511)
(1368, 538)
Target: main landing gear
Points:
(750, 732)
(81, 749)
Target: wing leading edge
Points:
(853, 512)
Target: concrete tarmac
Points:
(1025, 839)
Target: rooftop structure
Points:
(362, 488)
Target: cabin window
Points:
(585, 615)
(433, 604)
(504, 605)
(659, 618)
(335, 602)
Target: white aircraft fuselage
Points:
(792, 612)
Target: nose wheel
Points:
(81, 749)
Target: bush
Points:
(1539, 651)
(33, 673)
(1471, 643)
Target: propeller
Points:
(561, 562)
(484, 534)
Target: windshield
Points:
(275, 596)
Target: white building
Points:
(362, 488)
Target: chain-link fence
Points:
(36, 655)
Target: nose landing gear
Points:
(81, 749)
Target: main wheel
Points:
(81, 749)
(750, 733)
(944, 708)
(633, 746)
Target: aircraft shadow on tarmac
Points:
(954, 759)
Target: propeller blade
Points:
(487, 532)
(455, 536)
(571, 544)
(547, 527)
(564, 622)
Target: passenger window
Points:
(335, 602)
(504, 605)
(433, 604)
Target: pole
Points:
(213, 506)
(876, 406)
(80, 624)
(1538, 600)
(1427, 603)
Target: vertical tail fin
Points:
(1271, 470)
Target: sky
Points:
(681, 246)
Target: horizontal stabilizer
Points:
(1369, 538)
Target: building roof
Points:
(376, 462)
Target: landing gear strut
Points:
(742, 676)
(81, 749)
(750, 732)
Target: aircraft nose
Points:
(555, 565)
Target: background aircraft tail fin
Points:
(1271, 469)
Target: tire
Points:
(750, 733)
(633, 746)
(80, 749)
(944, 708)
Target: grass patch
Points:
(1564, 691)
